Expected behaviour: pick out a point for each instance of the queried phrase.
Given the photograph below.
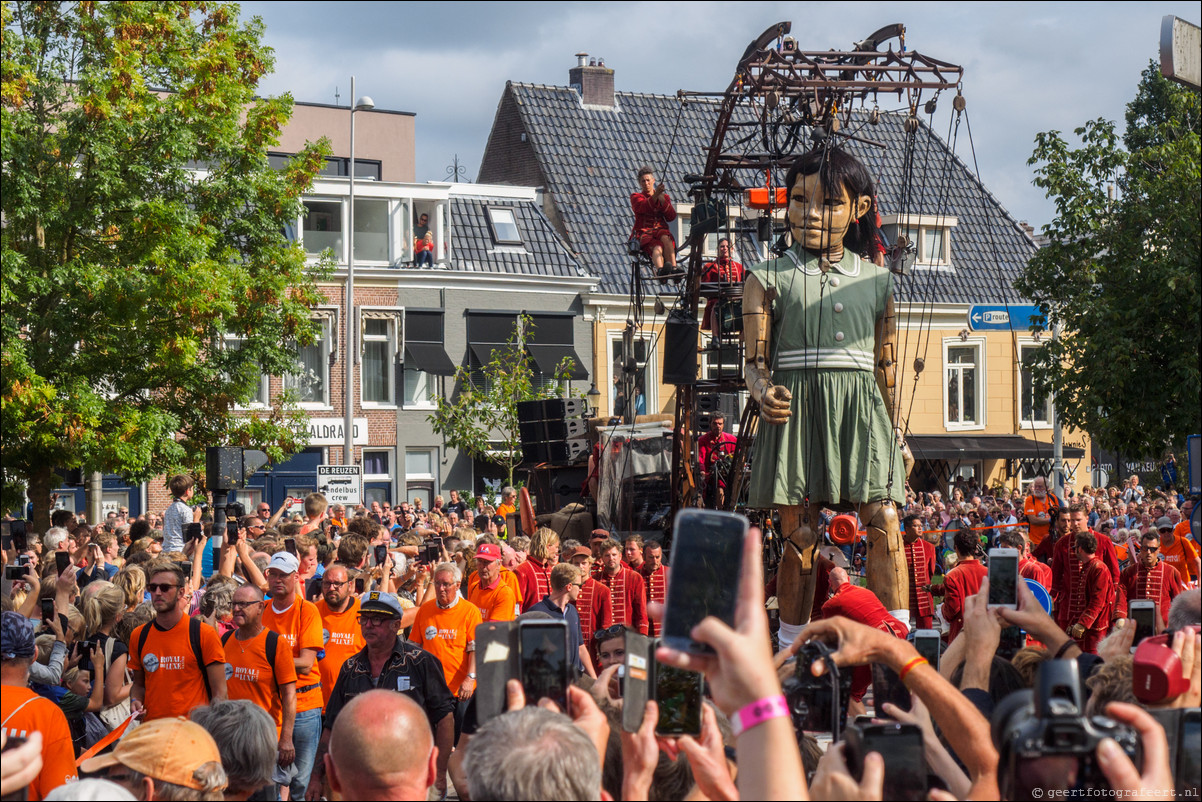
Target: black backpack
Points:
(273, 639)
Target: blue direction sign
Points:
(1003, 317)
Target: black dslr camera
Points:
(818, 704)
(1046, 742)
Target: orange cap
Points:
(166, 749)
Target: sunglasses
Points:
(160, 587)
(243, 605)
(610, 632)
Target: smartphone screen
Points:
(20, 541)
(496, 664)
(888, 687)
(929, 645)
(380, 554)
(1143, 613)
(545, 666)
(1003, 578)
(187, 566)
(290, 545)
(231, 529)
(431, 550)
(707, 556)
(639, 672)
(901, 747)
(678, 694)
(47, 610)
(193, 531)
(360, 586)
(62, 560)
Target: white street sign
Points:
(341, 484)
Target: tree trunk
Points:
(40, 481)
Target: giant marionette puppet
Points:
(820, 341)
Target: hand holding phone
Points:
(707, 557)
(62, 561)
(1003, 579)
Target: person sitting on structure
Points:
(724, 271)
(653, 211)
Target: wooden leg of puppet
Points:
(888, 577)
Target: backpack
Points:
(273, 639)
(194, 626)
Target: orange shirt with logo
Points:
(300, 626)
(496, 604)
(446, 634)
(249, 676)
(174, 683)
(1181, 555)
(37, 714)
(343, 639)
(1037, 506)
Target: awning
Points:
(484, 351)
(547, 359)
(984, 446)
(429, 357)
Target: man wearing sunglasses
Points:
(178, 662)
(390, 662)
(1149, 577)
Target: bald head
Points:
(837, 577)
(381, 747)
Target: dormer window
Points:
(504, 226)
(929, 237)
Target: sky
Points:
(1028, 67)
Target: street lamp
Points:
(594, 400)
(352, 352)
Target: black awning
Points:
(985, 446)
(547, 359)
(429, 357)
(484, 351)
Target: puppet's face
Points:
(819, 219)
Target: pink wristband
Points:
(758, 712)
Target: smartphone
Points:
(1143, 614)
(544, 665)
(290, 545)
(193, 531)
(360, 586)
(888, 687)
(17, 530)
(637, 685)
(17, 571)
(929, 645)
(47, 610)
(379, 553)
(679, 694)
(187, 566)
(62, 561)
(901, 747)
(496, 664)
(231, 529)
(432, 550)
(1003, 578)
(707, 557)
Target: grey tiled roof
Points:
(589, 157)
(542, 252)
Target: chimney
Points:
(594, 82)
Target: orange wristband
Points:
(910, 666)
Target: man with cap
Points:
(298, 623)
(1149, 577)
(593, 604)
(598, 537)
(490, 592)
(168, 758)
(390, 662)
(1177, 551)
(27, 715)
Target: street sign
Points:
(341, 484)
(1179, 46)
(1004, 317)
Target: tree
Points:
(482, 420)
(1121, 274)
(147, 281)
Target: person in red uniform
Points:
(627, 591)
(1148, 578)
(712, 446)
(1028, 566)
(655, 575)
(1089, 606)
(1066, 568)
(920, 559)
(593, 604)
(962, 581)
(534, 574)
(861, 605)
(724, 271)
(653, 211)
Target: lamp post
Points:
(352, 353)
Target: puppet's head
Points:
(831, 202)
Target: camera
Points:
(818, 704)
(1046, 743)
(1183, 727)
(235, 510)
(1157, 675)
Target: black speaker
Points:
(680, 349)
(559, 408)
(563, 429)
(708, 402)
(566, 450)
(530, 411)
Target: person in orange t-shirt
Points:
(1177, 551)
(1036, 509)
(340, 630)
(298, 622)
(24, 713)
(252, 675)
(446, 628)
(168, 679)
(491, 594)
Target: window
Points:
(963, 374)
(310, 382)
(377, 464)
(504, 226)
(322, 228)
(371, 230)
(251, 376)
(425, 358)
(420, 479)
(928, 235)
(378, 374)
(486, 334)
(634, 366)
(549, 341)
(1034, 404)
(420, 389)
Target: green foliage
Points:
(1121, 276)
(482, 420)
(125, 268)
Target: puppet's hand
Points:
(907, 455)
(775, 403)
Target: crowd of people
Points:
(332, 653)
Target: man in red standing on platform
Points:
(722, 272)
(1089, 605)
(962, 581)
(653, 211)
(920, 559)
(627, 591)
(1148, 578)
(655, 575)
(862, 605)
(712, 447)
